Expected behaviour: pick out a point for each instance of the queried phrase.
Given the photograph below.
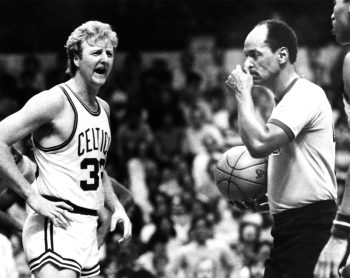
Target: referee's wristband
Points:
(341, 226)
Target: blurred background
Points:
(171, 118)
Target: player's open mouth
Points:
(100, 70)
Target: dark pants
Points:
(299, 237)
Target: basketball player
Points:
(334, 251)
(71, 135)
(299, 140)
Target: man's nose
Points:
(247, 63)
(104, 57)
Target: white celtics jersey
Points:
(72, 171)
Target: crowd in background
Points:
(166, 139)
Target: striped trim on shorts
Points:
(50, 256)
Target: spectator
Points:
(247, 247)
(168, 139)
(132, 134)
(31, 79)
(202, 247)
(197, 130)
(203, 168)
(226, 227)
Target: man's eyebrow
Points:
(250, 51)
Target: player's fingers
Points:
(113, 223)
(67, 215)
(123, 238)
(64, 205)
(126, 232)
(56, 221)
(60, 219)
(318, 271)
(335, 271)
(326, 271)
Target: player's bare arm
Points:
(260, 139)
(111, 200)
(333, 253)
(113, 204)
(340, 244)
(124, 195)
(104, 225)
(125, 198)
(344, 207)
(346, 76)
(39, 111)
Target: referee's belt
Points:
(76, 208)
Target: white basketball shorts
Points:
(74, 247)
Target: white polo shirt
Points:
(302, 172)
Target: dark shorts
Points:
(299, 237)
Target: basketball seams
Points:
(239, 189)
(237, 160)
(241, 169)
(240, 177)
(249, 166)
(233, 166)
(229, 183)
(237, 177)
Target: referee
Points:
(299, 140)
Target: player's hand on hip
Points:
(57, 212)
(239, 81)
(330, 258)
(120, 216)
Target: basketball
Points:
(240, 177)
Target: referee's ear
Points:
(283, 55)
